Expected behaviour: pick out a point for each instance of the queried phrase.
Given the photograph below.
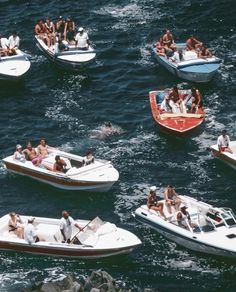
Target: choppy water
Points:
(68, 109)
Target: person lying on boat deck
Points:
(223, 142)
(183, 217)
(4, 46)
(69, 31)
(171, 198)
(50, 31)
(82, 40)
(88, 159)
(204, 53)
(159, 48)
(15, 225)
(152, 202)
(59, 165)
(19, 155)
(40, 31)
(30, 232)
(176, 101)
(177, 56)
(165, 105)
(43, 148)
(14, 43)
(66, 223)
(168, 42)
(32, 155)
(193, 44)
(60, 27)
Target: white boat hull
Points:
(226, 157)
(14, 67)
(213, 241)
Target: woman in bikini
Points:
(15, 225)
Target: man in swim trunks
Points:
(193, 44)
(223, 142)
(168, 41)
(40, 31)
(43, 148)
(32, 155)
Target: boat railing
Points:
(228, 217)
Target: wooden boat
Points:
(212, 230)
(71, 59)
(14, 67)
(98, 239)
(226, 157)
(177, 124)
(98, 176)
(191, 68)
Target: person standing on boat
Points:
(171, 198)
(69, 31)
(14, 43)
(82, 39)
(66, 224)
(30, 232)
(152, 202)
(223, 142)
(60, 27)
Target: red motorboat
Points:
(175, 123)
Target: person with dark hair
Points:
(223, 142)
(43, 148)
(50, 31)
(69, 31)
(171, 198)
(15, 225)
(59, 165)
(168, 42)
(204, 53)
(32, 155)
(60, 27)
(41, 32)
(176, 101)
(193, 44)
(183, 218)
(152, 202)
(196, 100)
(88, 159)
(14, 43)
(66, 224)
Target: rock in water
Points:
(100, 280)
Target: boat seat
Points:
(47, 232)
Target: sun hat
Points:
(80, 29)
(182, 206)
(31, 219)
(153, 188)
(18, 146)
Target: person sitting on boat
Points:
(192, 44)
(165, 105)
(168, 42)
(88, 159)
(171, 198)
(223, 142)
(160, 48)
(59, 165)
(14, 43)
(152, 202)
(50, 31)
(196, 100)
(40, 31)
(15, 225)
(30, 232)
(82, 40)
(177, 56)
(176, 101)
(19, 155)
(43, 148)
(204, 53)
(60, 27)
(183, 218)
(32, 155)
(69, 31)
(4, 46)
(66, 224)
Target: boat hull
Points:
(227, 158)
(189, 243)
(179, 126)
(59, 61)
(200, 73)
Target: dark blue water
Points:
(67, 109)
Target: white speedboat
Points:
(14, 67)
(98, 176)
(72, 59)
(191, 68)
(214, 230)
(98, 239)
(228, 158)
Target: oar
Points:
(72, 240)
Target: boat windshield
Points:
(228, 217)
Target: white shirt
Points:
(175, 58)
(29, 233)
(165, 106)
(223, 141)
(82, 40)
(14, 42)
(66, 226)
(4, 43)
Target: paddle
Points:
(75, 236)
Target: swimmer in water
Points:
(106, 130)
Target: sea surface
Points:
(69, 110)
